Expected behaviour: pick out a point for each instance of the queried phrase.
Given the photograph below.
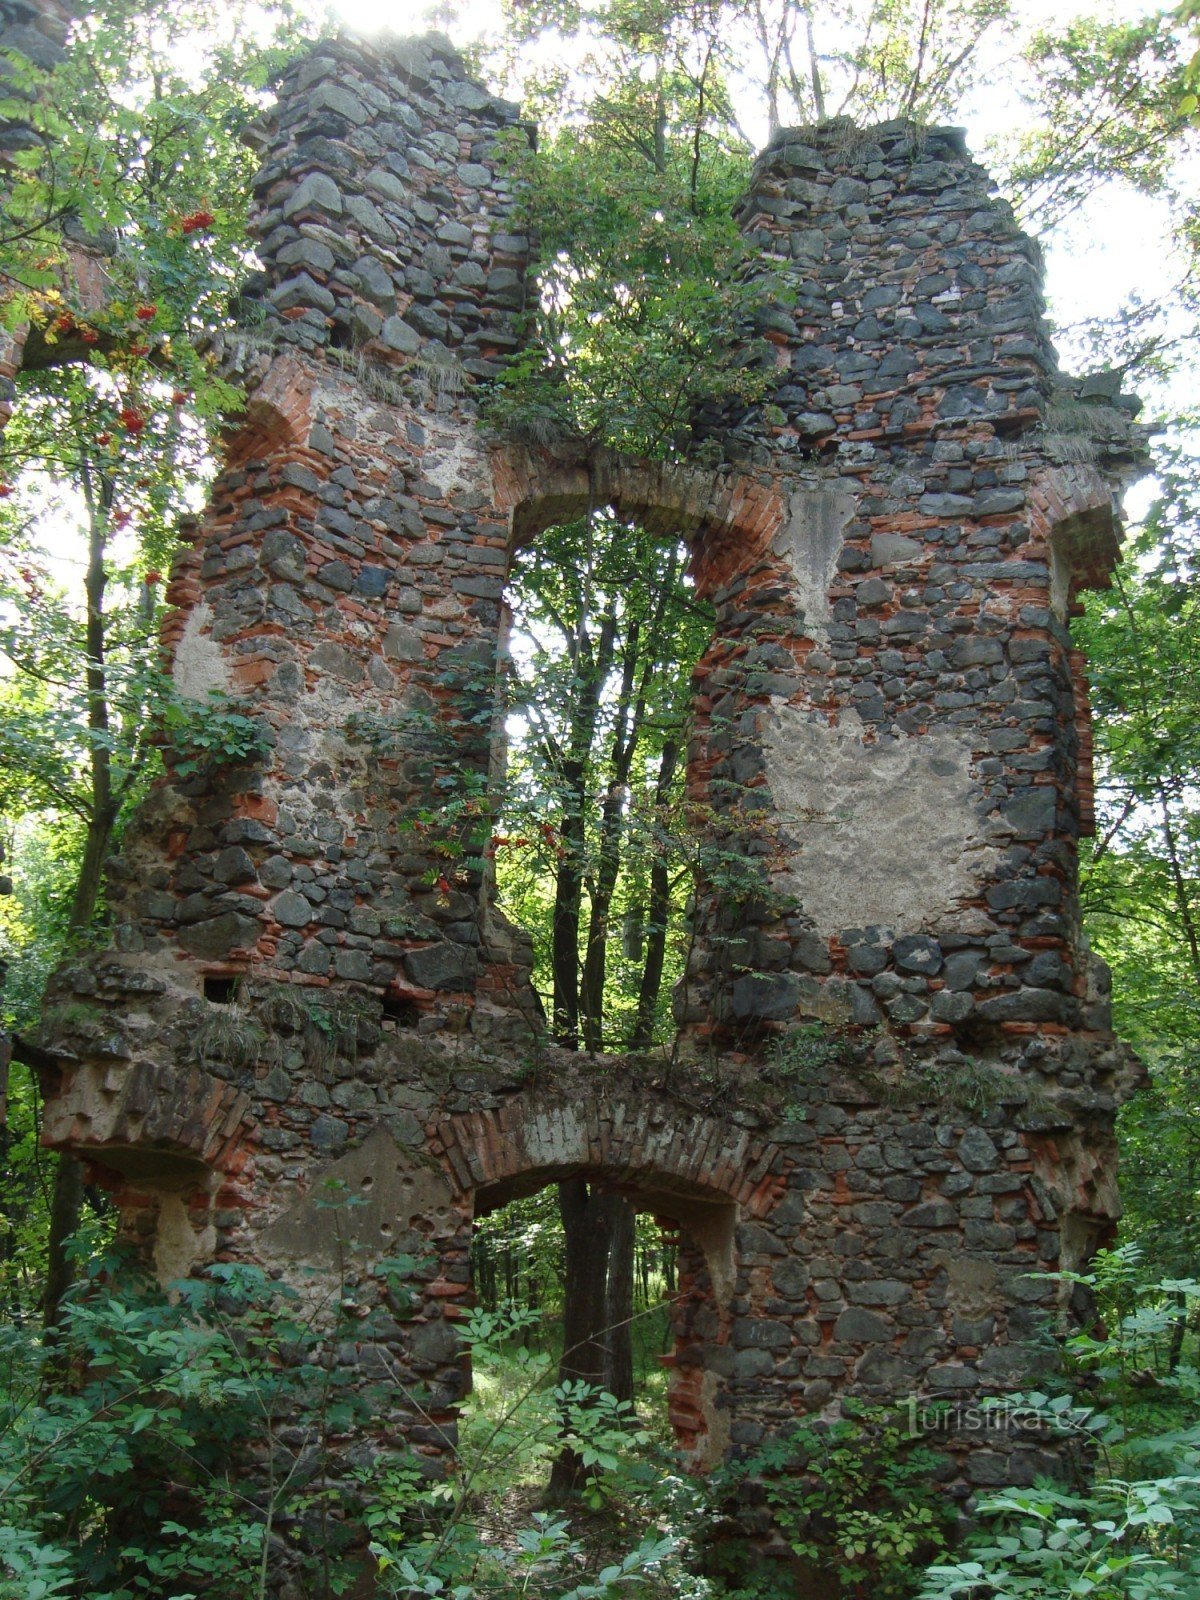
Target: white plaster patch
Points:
(1060, 581)
(810, 541)
(200, 667)
(889, 831)
(454, 459)
(177, 1246)
(712, 1446)
(396, 1202)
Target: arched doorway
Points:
(708, 1179)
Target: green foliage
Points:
(642, 295)
(226, 1034)
(200, 1430)
(856, 1498)
(863, 59)
(1142, 639)
(123, 1480)
(1129, 1528)
(216, 732)
(643, 302)
(187, 1434)
(1109, 99)
(1160, 1160)
(138, 158)
(48, 733)
(804, 1054)
(1049, 1544)
(914, 58)
(1141, 875)
(587, 844)
(428, 1538)
(517, 1258)
(1108, 113)
(112, 253)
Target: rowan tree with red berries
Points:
(113, 265)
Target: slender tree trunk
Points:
(1184, 908)
(630, 716)
(618, 1378)
(8, 1244)
(66, 1208)
(592, 668)
(103, 804)
(88, 885)
(660, 133)
(595, 961)
(814, 65)
(564, 942)
(1179, 1324)
(698, 132)
(773, 57)
(918, 71)
(657, 914)
(66, 1204)
(587, 1232)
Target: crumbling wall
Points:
(886, 741)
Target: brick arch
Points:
(277, 416)
(540, 488)
(1075, 527)
(705, 1174)
(645, 1143)
(153, 1121)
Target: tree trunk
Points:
(564, 942)
(66, 1206)
(592, 669)
(619, 1300)
(660, 132)
(9, 1243)
(88, 885)
(1184, 909)
(599, 1232)
(588, 1236)
(657, 915)
(624, 743)
(1179, 1324)
(814, 65)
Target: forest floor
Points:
(509, 1434)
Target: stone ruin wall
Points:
(892, 550)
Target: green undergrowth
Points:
(497, 1367)
(204, 1444)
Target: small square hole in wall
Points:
(404, 1013)
(220, 990)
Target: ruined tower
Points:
(892, 547)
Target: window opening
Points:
(592, 849)
(400, 1011)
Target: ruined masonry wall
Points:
(887, 723)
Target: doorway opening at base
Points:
(597, 1305)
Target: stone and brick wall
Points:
(889, 738)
